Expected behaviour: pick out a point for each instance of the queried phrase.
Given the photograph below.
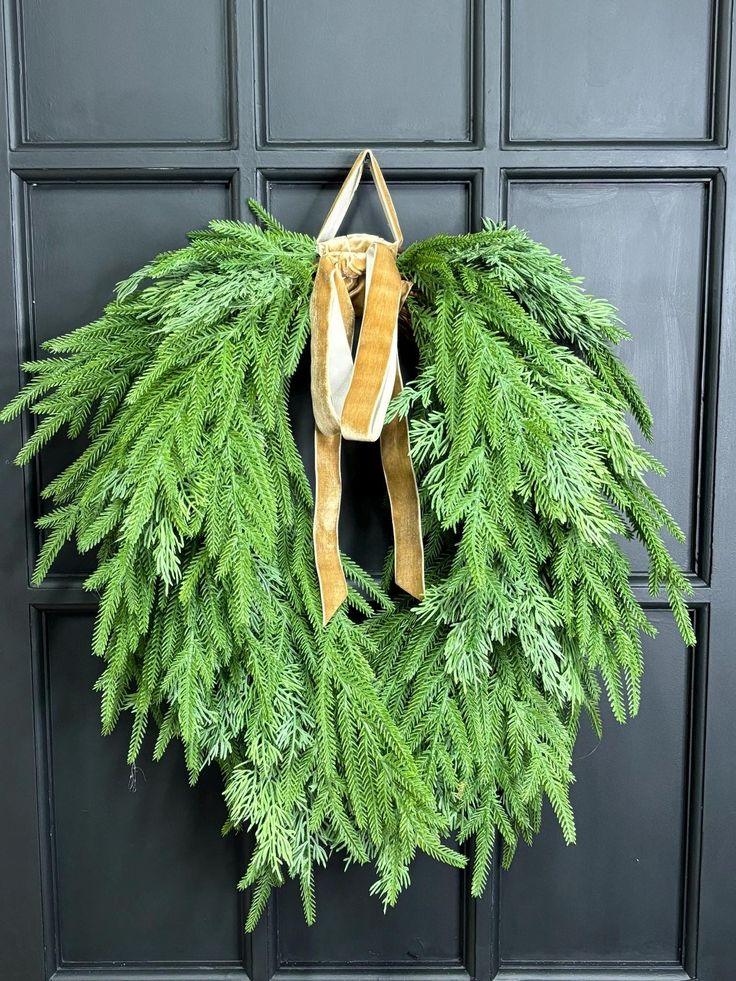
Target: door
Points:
(601, 127)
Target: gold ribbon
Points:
(357, 275)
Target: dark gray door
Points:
(600, 126)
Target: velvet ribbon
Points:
(357, 276)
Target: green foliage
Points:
(393, 727)
(529, 476)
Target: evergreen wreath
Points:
(398, 725)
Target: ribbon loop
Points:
(358, 274)
(345, 195)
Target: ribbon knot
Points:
(357, 276)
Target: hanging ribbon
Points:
(357, 275)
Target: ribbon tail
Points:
(404, 498)
(333, 588)
(333, 322)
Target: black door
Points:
(601, 127)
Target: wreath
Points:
(399, 724)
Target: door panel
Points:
(593, 72)
(352, 929)
(618, 895)
(423, 205)
(126, 74)
(355, 87)
(142, 872)
(82, 237)
(643, 245)
(599, 127)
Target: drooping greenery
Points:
(529, 476)
(393, 727)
